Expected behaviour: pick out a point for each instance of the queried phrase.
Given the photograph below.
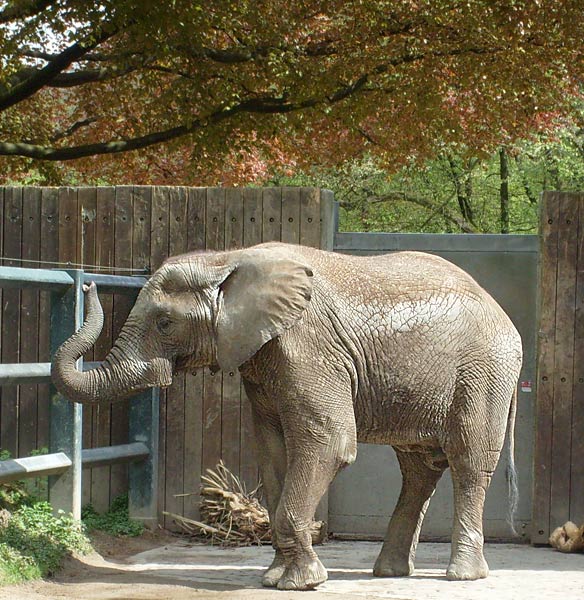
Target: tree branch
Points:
(21, 10)
(261, 105)
(74, 78)
(44, 76)
(59, 135)
(460, 222)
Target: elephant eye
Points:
(163, 324)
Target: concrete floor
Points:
(182, 570)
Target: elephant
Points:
(404, 349)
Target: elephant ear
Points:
(259, 300)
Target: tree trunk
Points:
(504, 190)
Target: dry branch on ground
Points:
(230, 515)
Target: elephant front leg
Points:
(312, 465)
(271, 455)
(419, 479)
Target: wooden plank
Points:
(310, 217)
(252, 234)
(141, 227)
(122, 305)
(231, 400)
(197, 204)
(197, 218)
(327, 220)
(159, 231)
(87, 206)
(213, 384)
(548, 264)
(564, 359)
(233, 218)
(49, 251)
(291, 215)
(175, 395)
(68, 227)
(271, 214)
(104, 256)
(11, 319)
(29, 324)
(2, 215)
(577, 465)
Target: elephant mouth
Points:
(159, 373)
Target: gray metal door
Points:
(363, 496)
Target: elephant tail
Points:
(510, 472)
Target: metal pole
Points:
(65, 416)
(143, 475)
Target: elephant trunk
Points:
(119, 376)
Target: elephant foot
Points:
(468, 569)
(274, 572)
(392, 567)
(303, 574)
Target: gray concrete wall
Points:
(363, 496)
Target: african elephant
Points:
(404, 349)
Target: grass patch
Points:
(33, 542)
(116, 521)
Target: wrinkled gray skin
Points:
(404, 349)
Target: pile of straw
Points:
(230, 515)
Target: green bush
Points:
(116, 521)
(34, 542)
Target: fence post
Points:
(65, 416)
(143, 475)
(327, 220)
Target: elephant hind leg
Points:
(477, 429)
(420, 475)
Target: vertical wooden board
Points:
(87, 206)
(327, 220)
(564, 359)
(159, 231)
(29, 324)
(197, 204)
(11, 319)
(252, 216)
(310, 217)
(252, 234)
(291, 215)
(104, 256)
(159, 227)
(213, 384)
(548, 259)
(577, 464)
(233, 218)
(197, 218)
(2, 215)
(141, 227)
(68, 227)
(272, 214)
(231, 403)
(49, 251)
(122, 305)
(175, 395)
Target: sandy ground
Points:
(179, 570)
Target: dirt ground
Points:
(163, 567)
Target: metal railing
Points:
(66, 457)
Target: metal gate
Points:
(362, 497)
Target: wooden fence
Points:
(559, 450)
(204, 417)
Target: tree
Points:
(310, 80)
